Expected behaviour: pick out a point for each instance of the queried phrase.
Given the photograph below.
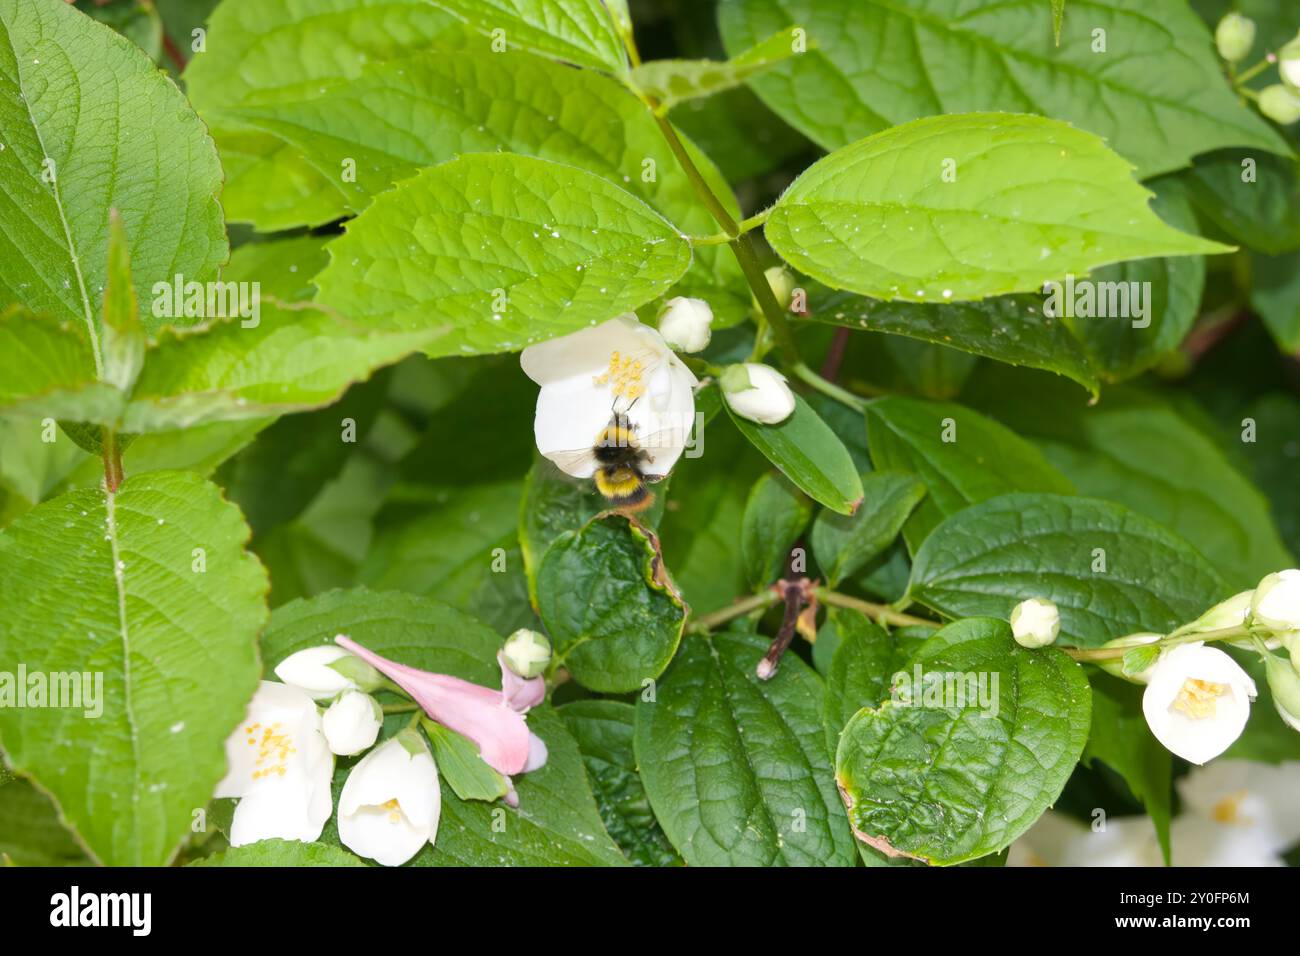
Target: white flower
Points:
(1280, 103)
(620, 366)
(1234, 37)
(1277, 601)
(1237, 813)
(391, 803)
(1035, 622)
(526, 653)
(1288, 63)
(279, 768)
(1058, 840)
(1198, 701)
(352, 723)
(309, 670)
(757, 392)
(685, 324)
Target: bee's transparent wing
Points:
(578, 463)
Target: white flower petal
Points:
(1197, 738)
(309, 670)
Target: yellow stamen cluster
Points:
(273, 749)
(394, 811)
(1199, 698)
(1228, 810)
(623, 377)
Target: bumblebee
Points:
(619, 462)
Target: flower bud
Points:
(685, 324)
(311, 670)
(352, 723)
(1116, 666)
(757, 392)
(1035, 622)
(1284, 683)
(526, 653)
(1276, 604)
(1288, 63)
(362, 675)
(1234, 37)
(1280, 103)
(1229, 613)
(782, 282)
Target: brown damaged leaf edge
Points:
(876, 842)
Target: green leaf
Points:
(501, 251)
(669, 82)
(1111, 571)
(124, 340)
(403, 627)
(461, 550)
(613, 617)
(460, 765)
(604, 731)
(948, 57)
(961, 456)
(557, 822)
(957, 780)
(310, 137)
(172, 639)
(881, 218)
(842, 544)
(1009, 328)
(1254, 198)
(1163, 296)
(1121, 739)
(776, 514)
(1137, 449)
(281, 853)
(554, 503)
(576, 31)
(862, 667)
(1275, 295)
(809, 454)
(47, 369)
(30, 831)
(736, 768)
(701, 529)
(1058, 18)
(90, 124)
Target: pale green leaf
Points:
(776, 513)
(499, 251)
(577, 31)
(883, 62)
(669, 82)
(47, 369)
(907, 213)
(281, 853)
(164, 605)
(90, 125)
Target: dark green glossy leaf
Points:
(842, 544)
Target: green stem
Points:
(754, 221)
(756, 602)
(1093, 655)
(803, 372)
(1251, 73)
(880, 613)
(400, 708)
(743, 248)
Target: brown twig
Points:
(795, 594)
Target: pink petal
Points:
(474, 711)
(521, 693)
